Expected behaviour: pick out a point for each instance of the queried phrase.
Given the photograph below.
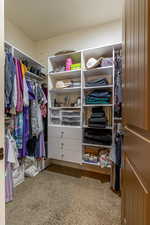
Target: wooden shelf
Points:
(95, 168)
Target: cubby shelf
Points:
(65, 74)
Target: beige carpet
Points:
(56, 199)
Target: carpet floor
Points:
(52, 198)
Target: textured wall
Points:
(19, 39)
(81, 39)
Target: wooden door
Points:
(136, 113)
(2, 191)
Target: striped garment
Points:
(8, 174)
(11, 162)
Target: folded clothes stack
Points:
(100, 137)
(98, 118)
(74, 121)
(106, 62)
(97, 82)
(98, 97)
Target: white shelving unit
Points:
(70, 143)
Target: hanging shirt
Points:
(10, 73)
(19, 78)
(25, 87)
(11, 162)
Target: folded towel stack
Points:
(98, 97)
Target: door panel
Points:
(136, 78)
(135, 210)
(2, 179)
(136, 111)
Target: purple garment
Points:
(8, 175)
(24, 151)
(30, 91)
(40, 147)
(19, 78)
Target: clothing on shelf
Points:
(106, 62)
(98, 118)
(100, 137)
(98, 97)
(97, 82)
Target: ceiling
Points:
(42, 19)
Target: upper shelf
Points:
(36, 77)
(99, 71)
(65, 74)
(22, 56)
(66, 90)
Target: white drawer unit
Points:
(65, 144)
(54, 148)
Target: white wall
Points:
(19, 39)
(82, 39)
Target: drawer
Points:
(73, 133)
(54, 132)
(54, 148)
(71, 144)
(72, 156)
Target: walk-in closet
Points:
(63, 101)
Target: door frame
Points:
(2, 170)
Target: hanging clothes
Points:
(25, 87)
(25, 131)
(11, 162)
(18, 132)
(10, 74)
(19, 77)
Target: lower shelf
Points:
(96, 168)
